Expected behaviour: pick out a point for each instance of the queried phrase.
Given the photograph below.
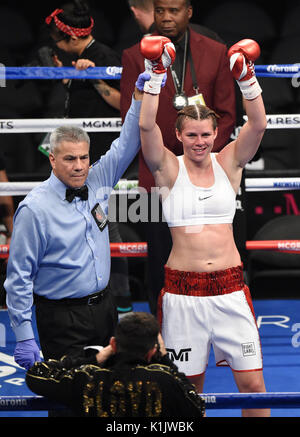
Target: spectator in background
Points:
(141, 22)
(71, 29)
(143, 14)
(200, 73)
(143, 11)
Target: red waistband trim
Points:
(204, 283)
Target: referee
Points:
(60, 253)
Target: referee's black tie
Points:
(82, 192)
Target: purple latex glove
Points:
(144, 77)
(27, 353)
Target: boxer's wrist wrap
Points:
(250, 88)
(153, 86)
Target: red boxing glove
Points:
(242, 55)
(159, 50)
(159, 53)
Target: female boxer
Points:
(205, 301)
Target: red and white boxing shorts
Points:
(200, 310)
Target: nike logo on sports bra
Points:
(203, 198)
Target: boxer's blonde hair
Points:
(195, 112)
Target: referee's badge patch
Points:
(248, 349)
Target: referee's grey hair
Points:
(72, 134)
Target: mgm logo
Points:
(182, 355)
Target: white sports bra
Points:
(187, 204)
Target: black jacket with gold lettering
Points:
(126, 387)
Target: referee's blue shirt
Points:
(57, 250)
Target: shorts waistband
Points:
(91, 299)
(204, 283)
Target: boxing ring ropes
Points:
(139, 249)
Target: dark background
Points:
(116, 10)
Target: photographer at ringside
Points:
(131, 377)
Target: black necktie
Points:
(79, 192)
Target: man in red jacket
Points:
(201, 71)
